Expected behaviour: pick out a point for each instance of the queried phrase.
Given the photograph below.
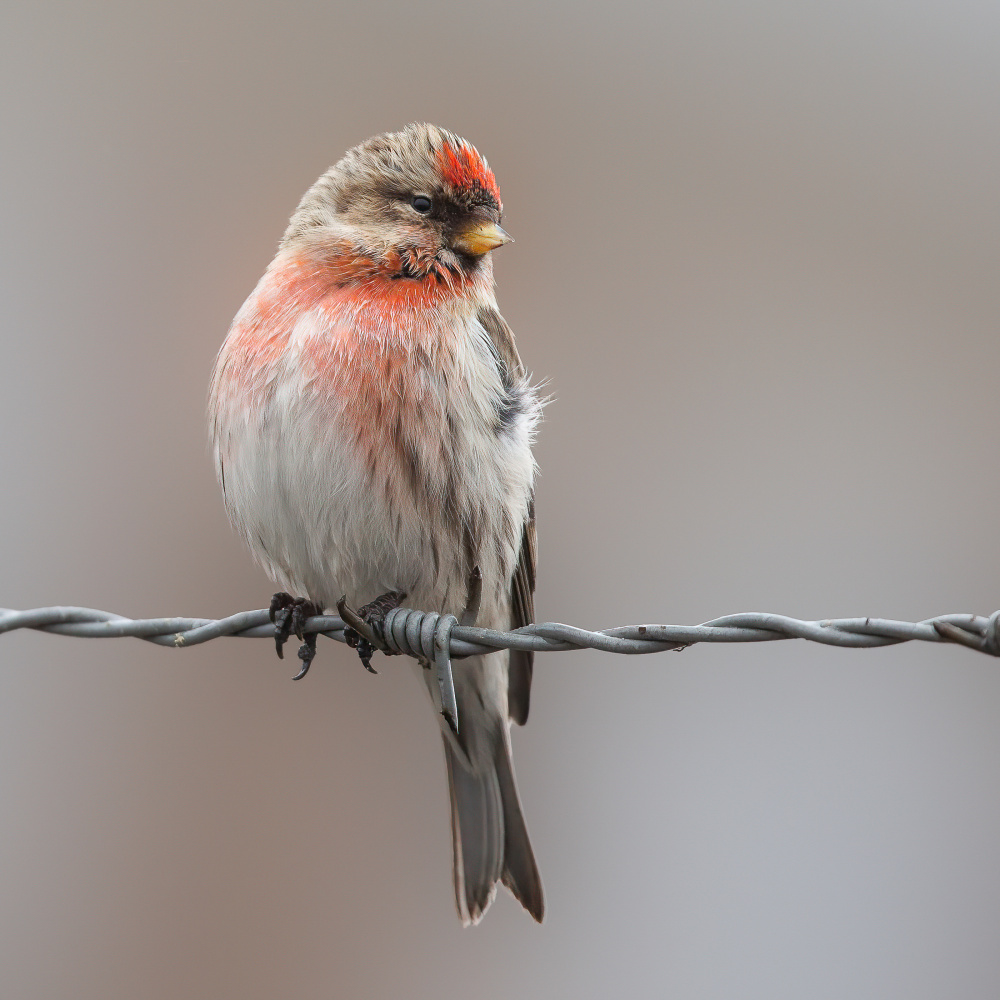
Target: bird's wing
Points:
(522, 597)
(522, 612)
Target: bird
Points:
(372, 428)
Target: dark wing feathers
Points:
(522, 610)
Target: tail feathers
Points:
(476, 833)
(489, 837)
(520, 873)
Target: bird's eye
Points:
(421, 203)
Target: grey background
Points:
(756, 257)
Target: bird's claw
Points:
(289, 615)
(364, 626)
(306, 653)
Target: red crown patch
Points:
(466, 170)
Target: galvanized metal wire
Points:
(424, 633)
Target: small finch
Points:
(372, 427)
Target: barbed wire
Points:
(412, 632)
(437, 638)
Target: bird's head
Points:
(416, 203)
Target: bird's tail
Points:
(489, 836)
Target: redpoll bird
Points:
(372, 426)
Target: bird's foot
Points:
(364, 626)
(289, 615)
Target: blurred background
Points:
(756, 259)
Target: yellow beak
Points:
(480, 239)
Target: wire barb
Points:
(414, 632)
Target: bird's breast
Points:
(361, 447)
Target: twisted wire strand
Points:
(434, 637)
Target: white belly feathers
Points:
(397, 481)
